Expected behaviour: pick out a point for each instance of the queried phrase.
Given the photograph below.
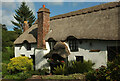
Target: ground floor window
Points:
(22, 55)
(79, 58)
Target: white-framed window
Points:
(52, 43)
(73, 44)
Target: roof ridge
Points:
(96, 8)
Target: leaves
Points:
(23, 13)
(19, 64)
(60, 70)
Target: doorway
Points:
(112, 52)
(33, 57)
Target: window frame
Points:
(73, 44)
(79, 58)
(52, 43)
(28, 46)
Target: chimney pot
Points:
(25, 22)
(25, 26)
(43, 6)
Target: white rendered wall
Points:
(41, 62)
(99, 58)
(21, 50)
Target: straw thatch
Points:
(98, 22)
(60, 49)
(88, 10)
(29, 35)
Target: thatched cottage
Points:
(88, 34)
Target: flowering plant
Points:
(62, 61)
(54, 61)
(50, 60)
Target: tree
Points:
(23, 13)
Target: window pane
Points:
(73, 45)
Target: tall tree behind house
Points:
(23, 13)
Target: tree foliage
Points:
(23, 13)
(20, 64)
(8, 37)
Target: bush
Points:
(20, 64)
(22, 75)
(4, 70)
(60, 70)
(7, 54)
(101, 74)
(114, 68)
(111, 72)
(79, 67)
(74, 67)
(38, 72)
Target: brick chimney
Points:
(43, 26)
(25, 26)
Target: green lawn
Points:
(72, 76)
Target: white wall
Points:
(41, 62)
(99, 58)
(21, 49)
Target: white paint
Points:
(41, 62)
(21, 50)
(99, 58)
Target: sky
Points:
(56, 8)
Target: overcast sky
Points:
(8, 8)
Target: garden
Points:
(22, 68)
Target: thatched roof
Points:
(29, 35)
(87, 10)
(98, 22)
(60, 49)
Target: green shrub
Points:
(109, 73)
(114, 68)
(7, 54)
(79, 67)
(74, 67)
(20, 64)
(12, 77)
(100, 74)
(90, 76)
(60, 70)
(22, 75)
(4, 70)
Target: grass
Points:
(72, 76)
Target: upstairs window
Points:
(52, 43)
(28, 46)
(73, 44)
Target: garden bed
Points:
(72, 77)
